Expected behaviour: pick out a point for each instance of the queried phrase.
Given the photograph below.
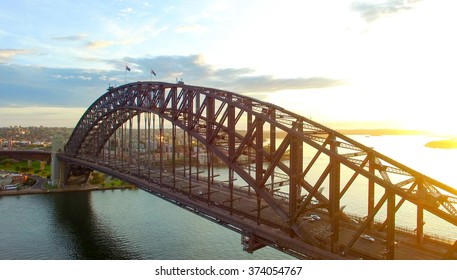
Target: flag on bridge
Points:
(127, 68)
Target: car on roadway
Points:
(315, 217)
(312, 218)
(367, 237)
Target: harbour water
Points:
(133, 224)
(118, 224)
(435, 163)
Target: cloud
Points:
(58, 96)
(70, 38)
(39, 86)
(23, 86)
(193, 70)
(125, 12)
(261, 84)
(7, 54)
(80, 77)
(371, 11)
(190, 28)
(99, 44)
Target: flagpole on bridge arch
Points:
(127, 68)
(152, 73)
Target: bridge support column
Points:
(334, 197)
(249, 125)
(210, 112)
(58, 167)
(231, 149)
(296, 170)
(190, 119)
(390, 240)
(250, 243)
(371, 190)
(259, 163)
(420, 218)
(272, 145)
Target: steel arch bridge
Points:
(276, 177)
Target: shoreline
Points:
(61, 190)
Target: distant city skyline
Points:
(346, 64)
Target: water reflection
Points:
(85, 235)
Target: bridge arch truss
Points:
(262, 162)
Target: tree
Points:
(6, 162)
(28, 170)
(97, 178)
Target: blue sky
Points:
(344, 63)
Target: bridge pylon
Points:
(58, 167)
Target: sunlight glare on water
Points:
(411, 151)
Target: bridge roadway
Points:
(192, 194)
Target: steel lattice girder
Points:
(176, 103)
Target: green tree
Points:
(30, 182)
(97, 178)
(28, 170)
(6, 162)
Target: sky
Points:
(345, 64)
